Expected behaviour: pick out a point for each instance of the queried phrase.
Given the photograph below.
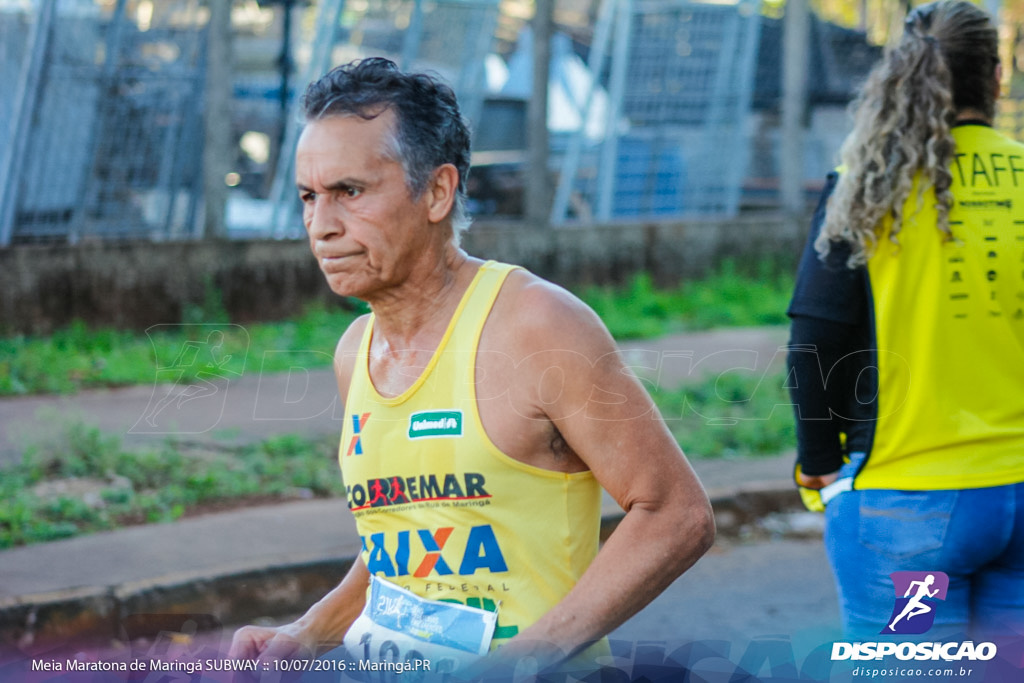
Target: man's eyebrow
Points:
(342, 184)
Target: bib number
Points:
(399, 627)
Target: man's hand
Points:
(322, 626)
(271, 643)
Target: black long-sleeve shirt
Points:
(833, 377)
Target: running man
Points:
(915, 607)
(485, 407)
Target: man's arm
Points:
(322, 627)
(611, 423)
(325, 623)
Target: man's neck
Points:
(412, 315)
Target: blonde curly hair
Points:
(943, 65)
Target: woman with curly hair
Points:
(907, 342)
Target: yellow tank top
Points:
(440, 509)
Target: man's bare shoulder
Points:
(350, 339)
(533, 314)
(346, 350)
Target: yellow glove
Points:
(810, 497)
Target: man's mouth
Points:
(329, 260)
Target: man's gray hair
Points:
(429, 130)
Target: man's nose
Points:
(324, 220)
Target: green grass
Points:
(733, 414)
(80, 358)
(79, 481)
(726, 298)
(42, 498)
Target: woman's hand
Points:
(816, 481)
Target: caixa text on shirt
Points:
(399, 490)
(389, 554)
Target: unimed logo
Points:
(917, 596)
(435, 423)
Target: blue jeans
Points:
(975, 536)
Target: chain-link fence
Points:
(451, 38)
(104, 129)
(101, 109)
(419, 35)
(676, 141)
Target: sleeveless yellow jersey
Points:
(440, 510)
(949, 321)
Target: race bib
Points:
(397, 626)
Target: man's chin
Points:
(347, 286)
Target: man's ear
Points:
(441, 192)
(999, 79)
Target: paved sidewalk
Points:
(256, 537)
(241, 565)
(250, 562)
(254, 407)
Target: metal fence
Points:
(102, 135)
(101, 131)
(676, 139)
(448, 37)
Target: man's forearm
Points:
(327, 621)
(648, 550)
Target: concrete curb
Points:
(143, 608)
(743, 506)
(236, 594)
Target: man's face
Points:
(364, 227)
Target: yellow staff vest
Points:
(949, 320)
(441, 511)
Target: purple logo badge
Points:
(917, 594)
